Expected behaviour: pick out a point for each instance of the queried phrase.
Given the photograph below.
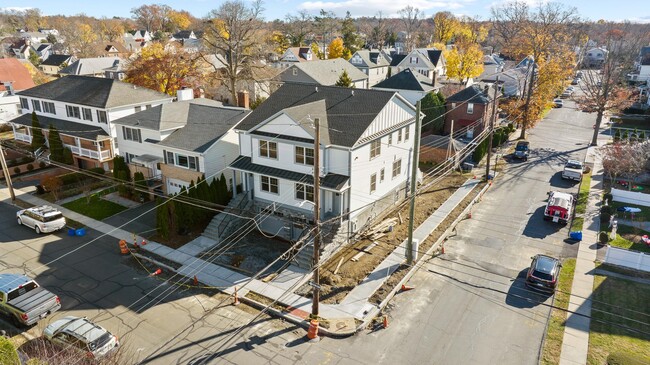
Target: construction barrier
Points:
(123, 248)
(312, 332)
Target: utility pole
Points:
(316, 259)
(5, 170)
(492, 120)
(527, 106)
(451, 140)
(414, 178)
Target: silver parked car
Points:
(42, 219)
(78, 333)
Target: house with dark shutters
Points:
(468, 109)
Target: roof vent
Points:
(316, 88)
(352, 91)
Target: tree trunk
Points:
(233, 91)
(523, 131)
(599, 119)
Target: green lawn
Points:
(644, 215)
(555, 329)
(581, 203)
(98, 209)
(629, 238)
(619, 320)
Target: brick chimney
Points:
(243, 99)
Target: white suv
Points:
(42, 219)
(80, 334)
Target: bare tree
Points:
(233, 33)
(297, 27)
(624, 159)
(410, 19)
(604, 90)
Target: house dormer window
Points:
(73, 111)
(414, 59)
(375, 148)
(268, 149)
(304, 156)
(48, 107)
(87, 114)
(36, 104)
(470, 108)
(101, 117)
(24, 104)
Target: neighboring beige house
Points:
(323, 72)
(54, 63)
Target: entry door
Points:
(336, 203)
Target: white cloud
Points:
(388, 7)
(16, 8)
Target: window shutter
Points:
(139, 136)
(164, 155)
(124, 132)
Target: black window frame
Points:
(36, 105)
(87, 114)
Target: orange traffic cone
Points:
(236, 298)
(442, 249)
(157, 272)
(385, 321)
(407, 288)
(469, 215)
(195, 281)
(143, 242)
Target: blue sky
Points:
(591, 9)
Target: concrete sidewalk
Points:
(575, 343)
(342, 317)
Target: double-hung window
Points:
(304, 192)
(375, 148)
(48, 107)
(305, 155)
(131, 134)
(101, 117)
(87, 114)
(470, 108)
(37, 105)
(390, 139)
(407, 132)
(373, 183)
(24, 104)
(269, 184)
(73, 111)
(397, 168)
(381, 175)
(268, 149)
(399, 135)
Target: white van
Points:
(42, 219)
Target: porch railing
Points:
(23, 137)
(89, 153)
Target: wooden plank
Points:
(364, 251)
(338, 266)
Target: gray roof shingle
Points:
(89, 66)
(472, 94)
(204, 125)
(55, 60)
(94, 91)
(406, 80)
(325, 72)
(66, 127)
(349, 112)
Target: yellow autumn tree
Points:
(445, 26)
(179, 19)
(279, 42)
(335, 48)
(463, 64)
(164, 70)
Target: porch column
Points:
(341, 207)
(234, 184)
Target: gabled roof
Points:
(349, 112)
(372, 59)
(325, 72)
(183, 34)
(298, 52)
(56, 60)
(14, 71)
(434, 55)
(94, 91)
(406, 80)
(43, 46)
(89, 66)
(472, 94)
(118, 47)
(165, 116)
(204, 125)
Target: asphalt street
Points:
(470, 305)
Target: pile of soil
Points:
(334, 287)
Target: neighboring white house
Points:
(642, 67)
(82, 109)
(595, 57)
(373, 63)
(323, 72)
(365, 146)
(428, 61)
(95, 66)
(295, 55)
(181, 141)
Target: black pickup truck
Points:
(24, 301)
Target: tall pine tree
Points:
(344, 80)
(38, 139)
(56, 145)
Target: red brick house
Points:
(466, 107)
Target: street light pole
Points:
(414, 177)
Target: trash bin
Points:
(80, 232)
(71, 232)
(577, 235)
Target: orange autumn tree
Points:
(164, 70)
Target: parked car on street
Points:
(575, 81)
(80, 334)
(543, 273)
(24, 301)
(522, 150)
(573, 170)
(42, 219)
(565, 94)
(558, 103)
(559, 207)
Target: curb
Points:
(378, 309)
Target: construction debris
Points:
(364, 251)
(385, 226)
(338, 266)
